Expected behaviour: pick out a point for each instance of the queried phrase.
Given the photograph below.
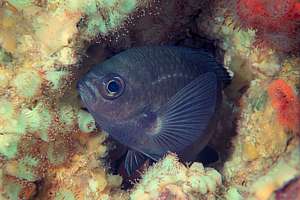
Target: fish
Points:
(155, 100)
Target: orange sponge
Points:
(286, 103)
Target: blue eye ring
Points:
(113, 86)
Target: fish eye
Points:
(113, 86)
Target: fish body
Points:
(156, 99)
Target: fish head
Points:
(116, 96)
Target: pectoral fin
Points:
(186, 116)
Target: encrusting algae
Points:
(50, 147)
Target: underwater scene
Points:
(149, 99)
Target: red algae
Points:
(286, 103)
(273, 20)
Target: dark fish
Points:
(156, 99)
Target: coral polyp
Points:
(28, 83)
(170, 178)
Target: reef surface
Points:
(50, 148)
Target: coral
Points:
(286, 103)
(170, 179)
(5, 57)
(276, 22)
(50, 147)
(84, 169)
(43, 130)
(285, 169)
(86, 122)
(261, 139)
(27, 83)
(233, 194)
(5, 77)
(38, 120)
(9, 145)
(261, 146)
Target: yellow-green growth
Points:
(115, 13)
(27, 83)
(10, 123)
(20, 3)
(13, 126)
(4, 79)
(9, 145)
(86, 122)
(67, 114)
(38, 120)
(96, 24)
(6, 109)
(55, 78)
(12, 190)
(114, 19)
(57, 153)
(233, 194)
(26, 168)
(127, 6)
(259, 102)
(5, 57)
(64, 195)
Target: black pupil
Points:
(113, 87)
